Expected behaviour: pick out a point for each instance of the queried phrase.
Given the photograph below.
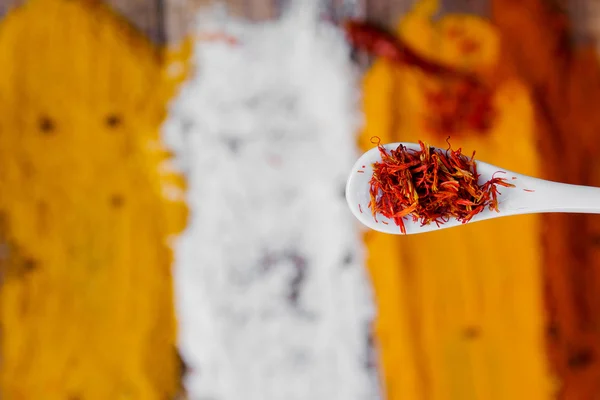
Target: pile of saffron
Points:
(430, 185)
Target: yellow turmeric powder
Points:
(86, 304)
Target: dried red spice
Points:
(430, 185)
(463, 102)
(458, 106)
(382, 43)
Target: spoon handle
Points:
(547, 196)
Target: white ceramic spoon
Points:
(530, 195)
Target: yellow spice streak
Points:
(86, 303)
(460, 310)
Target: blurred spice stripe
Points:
(460, 312)
(564, 81)
(86, 304)
(509, 309)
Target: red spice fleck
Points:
(459, 105)
(218, 37)
(529, 190)
(360, 209)
(455, 32)
(360, 172)
(430, 185)
(385, 223)
(514, 177)
(274, 160)
(469, 46)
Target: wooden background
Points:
(168, 20)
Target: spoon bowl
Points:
(530, 195)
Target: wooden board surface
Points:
(169, 20)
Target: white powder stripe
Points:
(272, 293)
